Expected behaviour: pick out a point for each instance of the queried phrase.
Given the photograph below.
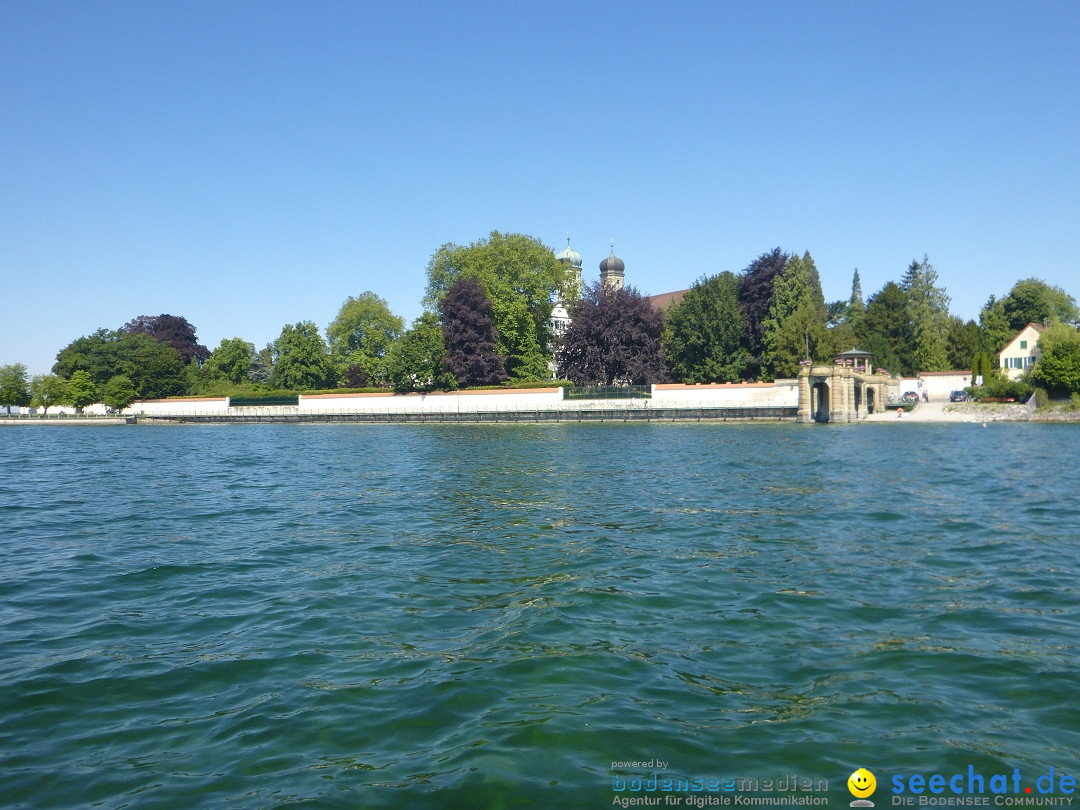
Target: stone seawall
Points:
(594, 414)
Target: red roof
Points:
(666, 300)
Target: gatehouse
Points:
(847, 391)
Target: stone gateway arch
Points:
(847, 391)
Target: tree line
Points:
(486, 322)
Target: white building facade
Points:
(1021, 352)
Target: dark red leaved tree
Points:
(469, 334)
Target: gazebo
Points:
(857, 359)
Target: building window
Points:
(1023, 344)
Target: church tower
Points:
(612, 270)
(560, 312)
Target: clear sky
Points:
(247, 165)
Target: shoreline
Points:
(66, 420)
(926, 413)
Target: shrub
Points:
(1001, 387)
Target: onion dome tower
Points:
(560, 311)
(612, 270)
(570, 259)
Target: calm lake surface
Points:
(491, 616)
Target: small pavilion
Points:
(857, 359)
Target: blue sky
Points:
(248, 165)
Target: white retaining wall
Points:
(785, 393)
(179, 406)
(441, 402)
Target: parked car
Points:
(909, 396)
(957, 396)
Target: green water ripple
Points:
(488, 616)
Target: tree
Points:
(301, 360)
(928, 312)
(1030, 300)
(230, 361)
(154, 367)
(97, 354)
(756, 298)
(885, 330)
(354, 376)
(470, 335)
(995, 325)
(962, 341)
(262, 365)
(797, 323)
(118, 393)
(81, 390)
(362, 334)
(47, 391)
(703, 333)
(14, 386)
(416, 361)
(1058, 366)
(613, 339)
(856, 300)
(520, 275)
(981, 366)
(837, 312)
(173, 330)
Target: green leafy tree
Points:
(613, 339)
(416, 361)
(14, 386)
(81, 390)
(520, 275)
(154, 367)
(301, 359)
(1058, 366)
(230, 361)
(118, 393)
(703, 333)
(1031, 300)
(362, 334)
(797, 323)
(962, 341)
(47, 391)
(928, 312)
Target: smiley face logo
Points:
(861, 783)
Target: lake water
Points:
(495, 615)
